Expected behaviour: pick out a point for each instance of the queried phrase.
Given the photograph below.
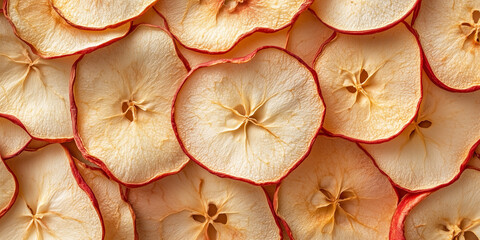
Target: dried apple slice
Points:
(34, 91)
(216, 26)
(195, 204)
(8, 188)
(306, 36)
(117, 214)
(49, 35)
(150, 17)
(452, 212)
(371, 84)
(98, 15)
(252, 118)
(121, 102)
(13, 139)
(53, 201)
(432, 150)
(362, 17)
(449, 33)
(336, 193)
(34, 145)
(474, 162)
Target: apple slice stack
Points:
(239, 119)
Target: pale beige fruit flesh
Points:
(475, 160)
(117, 214)
(100, 14)
(449, 33)
(371, 84)
(34, 90)
(362, 16)
(306, 36)
(77, 154)
(34, 145)
(252, 118)
(195, 204)
(123, 95)
(37, 23)
(432, 149)
(150, 17)
(53, 202)
(13, 138)
(336, 193)
(216, 26)
(452, 212)
(8, 188)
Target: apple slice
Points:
(216, 26)
(77, 154)
(34, 145)
(252, 118)
(34, 91)
(150, 17)
(306, 36)
(449, 33)
(362, 17)
(8, 188)
(13, 139)
(49, 35)
(121, 102)
(371, 84)
(452, 212)
(434, 148)
(474, 162)
(53, 200)
(337, 193)
(195, 204)
(100, 14)
(117, 214)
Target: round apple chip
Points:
(13, 139)
(336, 193)
(8, 188)
(452, 212)
(253, 118)
(216, 26)
(361, 17)
(53, 201)
(100, 14)
(371, 84)
(449, 33)
(195, 204)
(432, 150)
(37, 23)
(33, 90)
(121, 101)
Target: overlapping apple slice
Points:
(252, 118)
(53, 201)
(13, 139)
(117, 214)
(306, 36)
(371, 84)
(34, 91)
(37, 23)
(452, 212)
(121, 103)
(150, 17)
(100, 14)
(336, 193)
(432, 150)
(361, 17)
(8, 188)
(449, 33)
(474, 162)
(195, 204)
(216, 26)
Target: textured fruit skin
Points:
(408, 202)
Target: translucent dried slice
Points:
(122, 96)
(77, 154)
(34, 145)
(371, 84)
(13, 139)
(117, 214)
(37, 23)
(252, 118)
(449, 33)
(359, 16)
(306, 36)
(195, 204)
(100, 14)
(8, 188)
(34, 90)
(431, 151)
(337, 193)
(216, 26)
(53, 201)
(452, 212)
(150, 17)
